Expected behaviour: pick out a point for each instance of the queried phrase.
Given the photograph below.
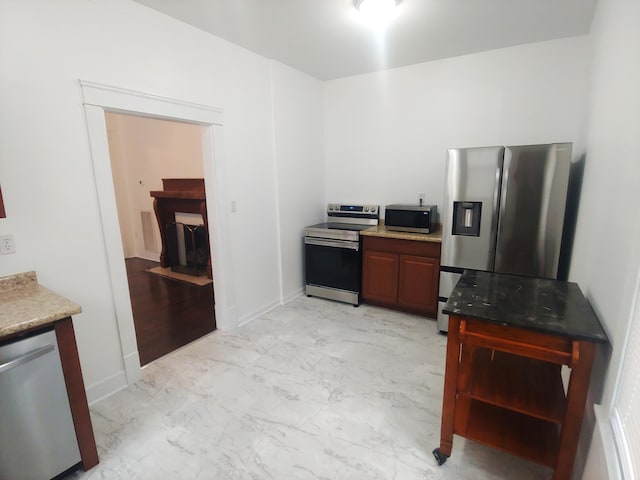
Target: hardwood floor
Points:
(167, 313)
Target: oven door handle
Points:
(332, 243)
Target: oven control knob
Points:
(373, 209)
(330, 207)
(366, 209)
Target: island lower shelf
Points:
(516, 433)
(521, 384)
(512, 403)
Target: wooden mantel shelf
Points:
(184, 195)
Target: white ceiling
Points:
(325, 39)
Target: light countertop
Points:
(24, 304)
(382, 231)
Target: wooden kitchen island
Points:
(509, 337)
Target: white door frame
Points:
(99, 99)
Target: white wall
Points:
(298, 114)
(46, 169)
(387, 133)
(144, 151)
(606, 257)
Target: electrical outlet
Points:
(7, 245)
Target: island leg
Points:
(576, 399)
(449, 397)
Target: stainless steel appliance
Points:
(333, 252)
(410, 218)
(37, 436)
(503, 212)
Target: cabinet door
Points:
(380, 276)
(418, 283)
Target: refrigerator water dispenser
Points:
(466, 218)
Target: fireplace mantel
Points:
(184, 195)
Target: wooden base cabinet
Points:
(401, 274)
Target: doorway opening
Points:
(170, 308)
(98, 99)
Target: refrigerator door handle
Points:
(502, 186)
(498, 194)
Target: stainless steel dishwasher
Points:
(37, 436)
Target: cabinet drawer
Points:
(541, 346)
(407, 247)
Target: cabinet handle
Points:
(27, 357)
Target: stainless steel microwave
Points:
(410, 218)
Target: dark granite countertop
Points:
(548, 306)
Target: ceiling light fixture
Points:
(377, 13)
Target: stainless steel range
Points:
(333, 252)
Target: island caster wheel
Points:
(440, 457)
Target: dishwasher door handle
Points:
(27, 357)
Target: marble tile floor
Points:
(312, 390)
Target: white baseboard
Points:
(292, 296)
(225, 316)
(603, 462)
(106, 387)
(132, 367)
(260, 311)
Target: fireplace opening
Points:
(187, 248)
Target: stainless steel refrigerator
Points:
(503, 212)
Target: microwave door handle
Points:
(331, 243)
